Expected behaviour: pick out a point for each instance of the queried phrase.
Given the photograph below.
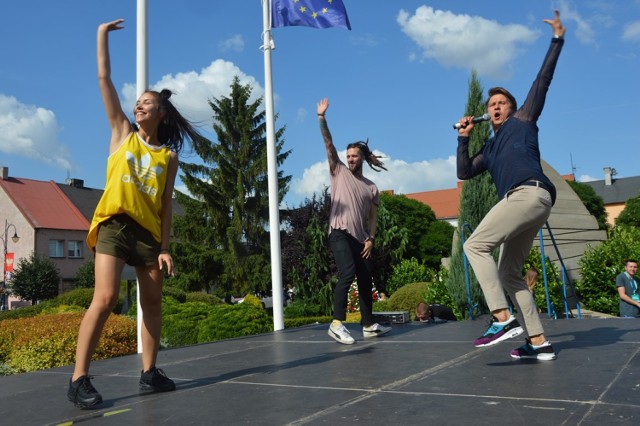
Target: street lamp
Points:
(15, 239)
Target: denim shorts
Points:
(124, 238)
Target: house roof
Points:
(43, 204)
(619, 191)
(445, 203)
(85, 199)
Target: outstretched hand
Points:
(112, 26)
(323, 105)
(556, 24)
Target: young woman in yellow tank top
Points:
(132, 222)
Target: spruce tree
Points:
(230, 197)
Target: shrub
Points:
(176, 293)
(198, 296)
(382, 305)
(48, 341)
(407, 297)
(36, 278)
(599, 267)
(302, 308)
(197, 322)
(302, 321)
(86, 277)
(437, 292)
(227, 321)
(180, 322)
(408, 271)
(25, 312)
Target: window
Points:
(56, 248)
(74, 249)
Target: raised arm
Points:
(332, 154)
(532, 106)
(118, 121)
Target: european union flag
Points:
(309, 13)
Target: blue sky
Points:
(399, 78)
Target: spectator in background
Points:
(434, 313)
(627, 285)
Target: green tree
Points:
(230, 194)
(599, 266)
(86, 276)
(592, 201)
(419, 221)
(478, 196)
(390, 245)
(36, 278)
(630, 215)
(437, 243)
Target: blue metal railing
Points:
(565, 277)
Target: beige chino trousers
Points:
(511, 224)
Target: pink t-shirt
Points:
(351, 201)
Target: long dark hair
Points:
(371, 159)
(174, 129)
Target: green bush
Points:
(302, 308)
(407, 297)
(408, 271)
(437, 292)
(382, 305)
(176, 293)
(554, 283)
(599, 267)
(302, 321)
(80, 297)
(197, 322)
(25, 312)
(198, 296)
(86, 277)
(228, 321)
(180, 322)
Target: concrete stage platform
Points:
(417, 374)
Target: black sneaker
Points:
(544, 352)
(155, 380)
(82, 393)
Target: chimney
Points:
(75, 183)
(609, 173)
(4, 173)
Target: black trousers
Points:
(347, 253)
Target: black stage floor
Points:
(417, 374)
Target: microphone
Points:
(476, 120)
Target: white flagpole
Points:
(272, 171)
(142, 73)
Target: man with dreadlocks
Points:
(352, 230)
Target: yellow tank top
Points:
(136, 179)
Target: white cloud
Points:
(301, 114)
(587, 178)
(465, 41)
(32, 132)
(235, 43)
(631, 31)
(401, 177)
(193, 90)
(366, 39)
